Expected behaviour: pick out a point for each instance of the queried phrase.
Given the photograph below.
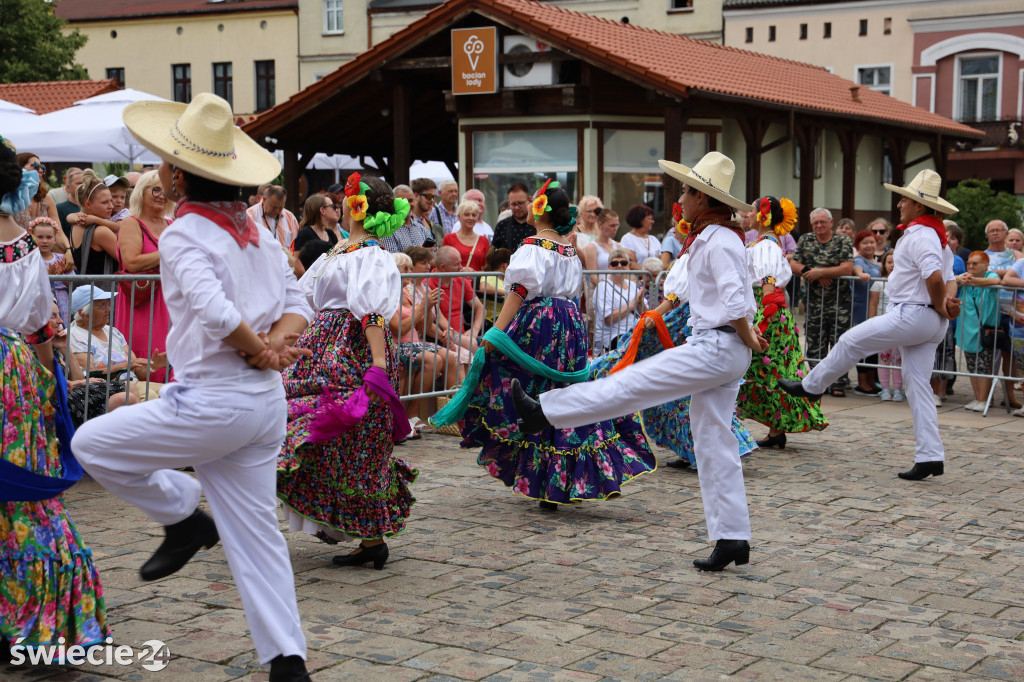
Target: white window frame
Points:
(999, 82)
(891, 87)
(335, 7)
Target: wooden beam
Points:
(292, 171)
(807, 138)
(400, 159)
(849, 142)
(675, 121)
(419, 63)
(753, 130)
(898, 156)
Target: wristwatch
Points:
(806, 268)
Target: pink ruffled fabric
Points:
(336, 416)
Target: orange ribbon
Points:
(634, 343)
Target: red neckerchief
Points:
(929, 221)
(230, 216)
(719, 215)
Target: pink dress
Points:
(134, 322)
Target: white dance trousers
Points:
(917, 330)
(232, 440)
(708, 368)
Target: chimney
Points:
(855, 93)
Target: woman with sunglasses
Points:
(880, 228)
(320, 218)
(589, 208)
(138, 248)
(618, 302)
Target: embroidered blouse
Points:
(767, 259)
(25, 298)
(361, 278)
(543, 268)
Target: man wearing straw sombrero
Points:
(708, 368)
(235, 310)
(922, 301)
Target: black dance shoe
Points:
(725, 553)
(796, 388)
(378, 554)
(548, 506)
(181, 542)
(531, 416)
(680, 463)
(778, 441)
(288, 669)
(921, 471)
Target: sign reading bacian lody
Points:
(474, 60)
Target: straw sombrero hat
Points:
(712, 175)
(201, 138)
(924, 189)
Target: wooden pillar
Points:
(807, 137)
(898, 157)
(753, 130)
(400, 159)
(849, 141)
(292, 171)
(940, 150)
(675, 119)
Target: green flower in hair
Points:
(384, 224)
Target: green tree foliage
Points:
(978, 204)
(32, 45)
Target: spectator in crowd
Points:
(69, 205)
(864, 268)
(597, 252)
(671, 245)
(444, 209)
(1000, 261)
(119, 187)
(455, 293)
(481, 227)
(415, 290)
(979, 312)
(880, 227)
(471, 245)
(821, 258)
(654, 267)
(310, 252)
(271, 214)
(93, 224)
(492, 289)
(588, 208)
(45, 230)
(849, 228)
(1015, 278)
(425, 198)
(639, 240)
(133, 178)
(256, 198)
(618, 303)
(320, 217)
(40, 206)
(1015, 240)
(138, 245)
(955, 239)
(889, 375)
(60, 194)
(415, 232)
(510, 232)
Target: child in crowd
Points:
(44, 231)
(119, 195)
(980, 313)
(889, 374)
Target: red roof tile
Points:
(50, 96)
(82, 11)
(669, 62)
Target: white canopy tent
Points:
(343, 165)
(15, 120)
(91, 130)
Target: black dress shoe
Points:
(548, 506)
(796, 388)
(680, 464)
(921, 471)
(777, 441)
(288, 669)
(181, 541)
(378, 554)
(531, 416)
(725, 553)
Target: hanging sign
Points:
(474, 60)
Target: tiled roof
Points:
(81, 11)
(53, 95)
(667, 62)
(750, 4)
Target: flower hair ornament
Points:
(355, 196)
(540, 206)
(780, 213)
(43, 220)
(384, 224)
(682, 227)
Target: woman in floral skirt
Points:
(760, 398)
(669, 424)
(336, 474)
(49, 587)
(540, 319)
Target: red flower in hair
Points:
(544, 188)
(677, 212)
(352, 185)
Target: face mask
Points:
(17, 201)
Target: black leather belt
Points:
(727, 328)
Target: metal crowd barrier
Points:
(828, 315)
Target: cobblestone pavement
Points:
(854, 574)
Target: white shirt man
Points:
(270, 214)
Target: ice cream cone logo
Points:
(473, 48)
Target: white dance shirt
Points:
(25, 298)
(918, 254)
(211, 285)
(677, 281)
(767, 259)
(362, 281)
(719, 279)
(544, 272)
